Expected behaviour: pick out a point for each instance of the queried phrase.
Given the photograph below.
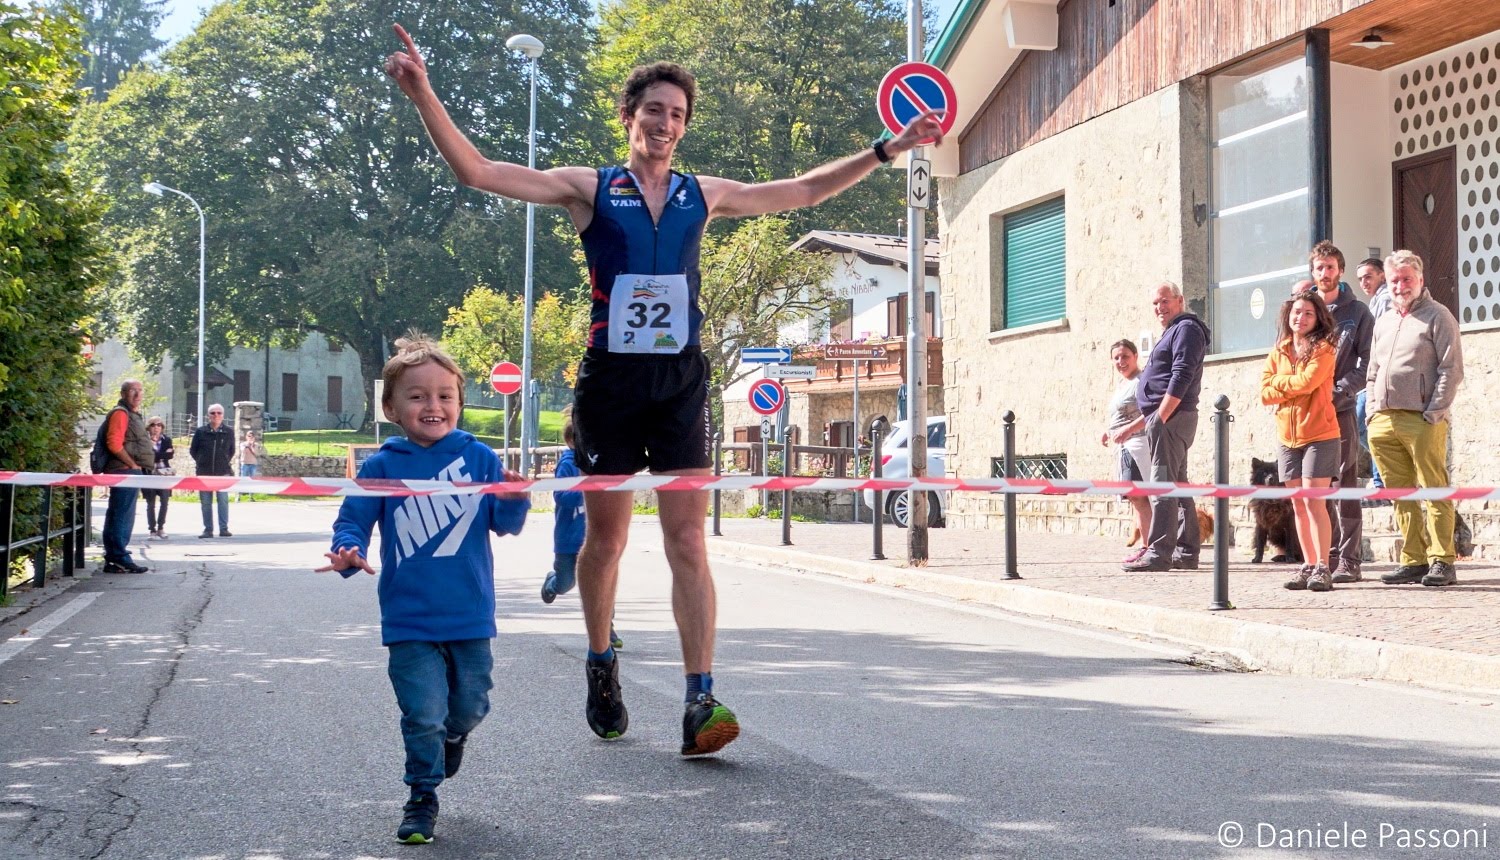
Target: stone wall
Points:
(1132, 182)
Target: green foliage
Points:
(327, 208)
(52, 264)
(491, 422)
(117, 35)
(783, 86)
(487, 328)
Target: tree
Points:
(51, 261)
(783, 86)
(117, 35)
(488, 328)
(754, 286)
(328, 209)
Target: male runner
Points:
(642, 393)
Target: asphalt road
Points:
(232, 704)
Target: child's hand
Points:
(344, 559)
(509, 477)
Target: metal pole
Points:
(765, 468)
(202, 292)
(855, 434)
(70, 528)
(916, 350)
(787, 455)
(877, 515)
(1320, 136)
(1011, 564)
(39, 578)
(505, 434)
(1222, 419)
(527, 410)
(718, 470)
(7, 521)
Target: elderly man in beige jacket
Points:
(1416, 365)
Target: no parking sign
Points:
(909, 89)
(766, 396)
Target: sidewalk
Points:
(1441, 637)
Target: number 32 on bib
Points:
(648, 314)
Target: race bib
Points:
(648, 314)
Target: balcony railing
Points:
(888, 372)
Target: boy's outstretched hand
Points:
(511, 476)
(344, 559)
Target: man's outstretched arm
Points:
(572, 187)
(730, 199)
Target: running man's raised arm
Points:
(570, 187)
(730, 199)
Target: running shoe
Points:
(605, 709)
(707, 726)
(615, 641)
(418, 817)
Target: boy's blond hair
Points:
(412, 350)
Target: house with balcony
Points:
(1103, 146)
(872, 310)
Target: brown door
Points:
(1426, 218)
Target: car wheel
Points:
(899, 509)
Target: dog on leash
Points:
(1205, 526)
(1274, 521)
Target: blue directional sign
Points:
(767, 396)
(766, 355)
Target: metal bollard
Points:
(788, 440)
(1011, 569)
(877, 469)
(86, 526)
(70, 524)
(1222, 420)
(718, 470)
(39, 576)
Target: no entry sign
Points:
(766, 396)
(911, 88)
(506, 378)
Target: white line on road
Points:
(36, 631)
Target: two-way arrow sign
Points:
(919, 184)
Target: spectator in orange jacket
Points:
(1298, 381)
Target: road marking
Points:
(17, 644)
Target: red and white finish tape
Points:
(664, 483)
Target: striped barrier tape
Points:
(667, 483)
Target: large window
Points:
(241, 385)
(1033, 267)
(288, 392)
(895, 314)
(1260, 185)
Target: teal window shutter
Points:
(1035, 265)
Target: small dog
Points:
(1274, 521)
(1205, 527)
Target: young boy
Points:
(437, 591)
(568, 528)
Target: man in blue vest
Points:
(642, 394)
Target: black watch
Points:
(880, 153)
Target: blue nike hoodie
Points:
(437, 573)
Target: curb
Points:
(27, 598)
(1258, 645)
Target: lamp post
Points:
(531, 47)
(157, 188)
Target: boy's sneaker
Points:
(707, 726)
(1298, 582)
(1320, 579)
(615, 641)
(418, 817)
(605, 709)
(453, 755)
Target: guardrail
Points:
(75, 531)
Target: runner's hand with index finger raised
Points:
(407, 67)
(926, 128)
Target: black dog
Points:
(1274, 521)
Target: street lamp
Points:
(157, 188)
(531, 47)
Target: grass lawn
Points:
(335, 443)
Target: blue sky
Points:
(183, 15)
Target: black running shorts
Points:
(634, 412)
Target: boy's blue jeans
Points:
(443, 689)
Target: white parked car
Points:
(897, 464)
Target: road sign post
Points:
(919, 184)
(766, 355)
(791, 371)
(505, 378)
(767, 396)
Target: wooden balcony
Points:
(885, 373)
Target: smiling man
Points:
(642, 396)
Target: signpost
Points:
(919, 184)
(854, 351)
(505, 378)
(791, 371)
(766, 355)
(911, 88)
